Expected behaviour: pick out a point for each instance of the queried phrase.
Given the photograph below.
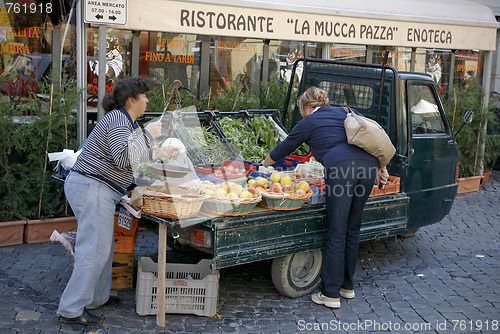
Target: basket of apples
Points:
(229, 198)
(284, 194)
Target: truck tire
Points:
(297, 275)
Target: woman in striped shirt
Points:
(100, 177)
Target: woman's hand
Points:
(154, 129)
(382, 176)
(268, 161)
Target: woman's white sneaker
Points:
(347, 294)
(321, 299)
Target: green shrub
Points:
(470, 97)
(25, 172)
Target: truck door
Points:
(432, 157)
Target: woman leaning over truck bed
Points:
(100, 177)
(350, 173)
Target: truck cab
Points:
(408, 107)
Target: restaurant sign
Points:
(219, 20)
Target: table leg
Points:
(162, 263)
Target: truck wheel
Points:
(409, 233)
(297, 275)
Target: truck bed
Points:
(266, 234)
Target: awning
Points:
(443, 24)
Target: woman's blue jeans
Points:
(94, 206)
(348, 186)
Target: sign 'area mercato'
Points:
(106, 12)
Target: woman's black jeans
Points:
(348, 186)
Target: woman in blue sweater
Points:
(98, 180)
(350, 173)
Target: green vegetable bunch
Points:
(209, 145)
(239, 134)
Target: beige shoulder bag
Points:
(370, 136)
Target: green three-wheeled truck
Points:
(407, 105)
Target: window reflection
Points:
(425, 115)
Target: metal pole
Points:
(134, 55)
(488, 58)
(56, 57)
(101, 82)
(81, 73)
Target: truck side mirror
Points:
(468, 118)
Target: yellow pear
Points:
(252, 183)
(246, 194)
(236, 188)
(286, 180)
(275, 177)
(220, 192)
(303, 185)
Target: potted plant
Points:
(43, 123)
(470, 97)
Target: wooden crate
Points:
(122, 277)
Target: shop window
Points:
(24, 48)
(351, 53)
(425, 115)
(283, 55)
(397, 57)
(117, 54)
(467, 66)
(166, 57)
(235, 59)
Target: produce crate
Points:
(190, 288)
(301, 159)
(124, 239)
(242, 114)
(123, 231)
(286, 164)
(273, 113)
(196, 119)
(318, 196)
(222, 173)
(125, 243)
(122, 274)
(392, 188)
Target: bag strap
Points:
(347, 110)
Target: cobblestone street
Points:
(445, 279)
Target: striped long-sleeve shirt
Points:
(111, 148)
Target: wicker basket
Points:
(280, 201)
(175, 207)
(230, 206)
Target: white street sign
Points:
(106, 12)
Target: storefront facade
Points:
(209, 44)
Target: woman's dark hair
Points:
(125, 88)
